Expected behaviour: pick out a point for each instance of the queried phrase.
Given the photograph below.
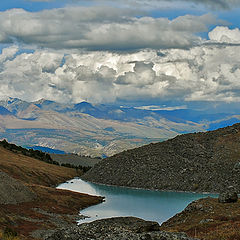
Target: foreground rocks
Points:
(196, 162)
(119, 228)
(207, 219)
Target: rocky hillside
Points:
(208, 161)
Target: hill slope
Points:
(199, 162)
(75, 159)
(28, 203)
(31, 170)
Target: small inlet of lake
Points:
(119, 201)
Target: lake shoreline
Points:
(125, 201)
(137, 188)
(196, 218)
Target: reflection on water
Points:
(149, 205)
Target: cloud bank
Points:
(201, 73)
(100, 28)
(109, 54)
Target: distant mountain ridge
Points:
(46, 149)
(98, 129)
(202, 162)
(4, 111)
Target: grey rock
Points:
(195, 206)
(13, 191)
(228, 196)
(119, 228)
(206, 220)
(237, 166)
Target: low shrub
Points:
(9, 234)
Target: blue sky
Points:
(30, 5)
(133, 51)
(230, 14)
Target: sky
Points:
(143, 52)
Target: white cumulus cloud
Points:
(225, 35)
(202, 73)
(8, 53)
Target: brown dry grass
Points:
(36, 214)
(50, 204)
(31, 170)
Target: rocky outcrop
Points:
(13, 191)
(192, 162)
(228, 196)
(119, 228)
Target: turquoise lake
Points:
(119, 201)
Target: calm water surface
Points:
(149, 205)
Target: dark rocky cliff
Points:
(208, 161)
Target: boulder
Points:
(228, 196)
(237, 166)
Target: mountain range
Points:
(98, 129)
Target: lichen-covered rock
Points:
(119, 228)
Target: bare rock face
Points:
(228, 196)
(119, 228)
(13, 191)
